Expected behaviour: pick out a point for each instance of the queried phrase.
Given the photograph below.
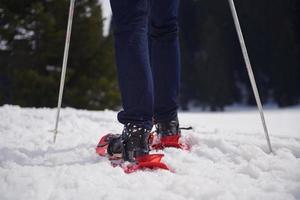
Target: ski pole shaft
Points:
(64, 66)
(250, 72)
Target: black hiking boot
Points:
(168, 128)
(131, 144)
(135, 141)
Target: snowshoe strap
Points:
(186, 128)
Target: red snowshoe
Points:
(147, 161)
(133, 146)
(157, 142)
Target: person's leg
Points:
(130, 19)
(165, 58)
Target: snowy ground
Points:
(228, 159)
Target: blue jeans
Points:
(147, 58)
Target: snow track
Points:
(228, 159)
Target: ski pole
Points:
(64, 66)
(249, 69)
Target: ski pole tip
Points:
(54, 136)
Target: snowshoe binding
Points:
(167, 134)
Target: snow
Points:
(228, 159)
(106, 14)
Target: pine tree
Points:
(207, 69)
(34, 33)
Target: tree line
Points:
(214, 73)
(32, 35)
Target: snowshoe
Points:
(131, 146)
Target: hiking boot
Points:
(135, 141)
(168, 128)
(131, 144)
(167, 135)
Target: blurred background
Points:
(32, 37)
